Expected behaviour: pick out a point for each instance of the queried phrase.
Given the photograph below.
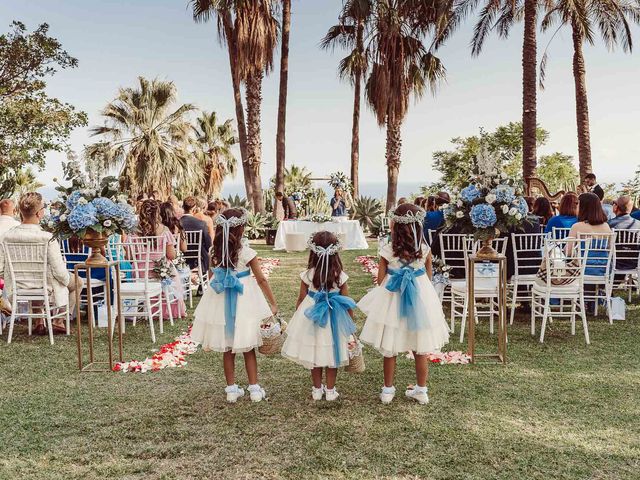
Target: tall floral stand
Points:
(488, 257)
(112, 276)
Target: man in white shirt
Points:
(59, 279)
(7, 216)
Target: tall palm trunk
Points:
(582, 107)
(254, 144)
(529, 122)
(282, 101)
(394, 144)
(355, 129)
(237, 97)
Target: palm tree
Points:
(203, 10)
(213, 143)
(282, 99)
(349, 33)
(25, 181)
(402, 66)
(501, 16)
(146, 139)
(256, 31)
(611, 18)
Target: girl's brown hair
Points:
(542, 208)
(149, 218)
(235, 241)
(569, 205)
(590, 209)
(402, 239)
(334, 267)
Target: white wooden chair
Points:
(486, 288)
(430, 236)
(527, 255)
(452, 248)
(192, 256)
(599, 268)
(626, 270)
(27, 263)
(564, 261)
(139, 290)
(185, 275)
(559, 233)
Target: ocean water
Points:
(367, 189)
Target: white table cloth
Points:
(354, 236)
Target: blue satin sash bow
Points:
(227, 280)
(332, 308)
(403, 281)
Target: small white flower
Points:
(443, 207)
(491, 198)
(51, 224)
(459, 214)
(513, 211)
(63, 217)
(107, 223)
(459, 203)
(518, 216)
(445, 274)
(82, 201)
(505, 209)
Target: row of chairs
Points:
(617, 266)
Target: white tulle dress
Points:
(308, 344)
(252, 308)
(387, 331)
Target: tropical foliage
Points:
(558, 172)
(236, 201)
(366, 210)
(257, 224)
(32, 123)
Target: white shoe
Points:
(387, 394)
(234, 392)
(317, 393)
(419, 394)
(256, 393)
(331, 394)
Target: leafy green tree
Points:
(31, 123)
(558, 172)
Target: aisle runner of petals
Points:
(172, 355)
(370, 265)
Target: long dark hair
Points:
(542, 208)
(590, 209)
(402, 240)
(334, 268)
(169, 219)
(149, 218)
(235, 240)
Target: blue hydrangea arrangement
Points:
(83, 207)
(489, 205)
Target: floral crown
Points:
(232, 221)
(408, 217)
(331, 249)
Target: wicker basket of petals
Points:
(273, 332)
(356, 355)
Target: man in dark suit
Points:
(590, 183)
(284, 207)
(192, 224)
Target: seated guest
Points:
(60, 281)
(530, 202)
(284, 208)
(434, 219)
(591, 217)
(607, 206)
(190, 224)
(623, 220)
(430, 204)
(567, 215)
(7, 215)
(177, 209)
(542, 209)
(199, 213)
(419, 202)
(170, 220)
(635, 213)
(401, 201)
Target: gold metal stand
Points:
(93, 365)
(501, 355)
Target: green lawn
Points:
(558, 410)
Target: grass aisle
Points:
(560, 410)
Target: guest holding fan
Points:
(318, 334)
(398, 319)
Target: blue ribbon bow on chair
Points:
(227, 280)
(403, 280)
(333, 308)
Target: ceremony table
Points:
(351, 231)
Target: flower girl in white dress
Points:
(319, 331)
(229, 314)
(404, 312)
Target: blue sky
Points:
(117, 40)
